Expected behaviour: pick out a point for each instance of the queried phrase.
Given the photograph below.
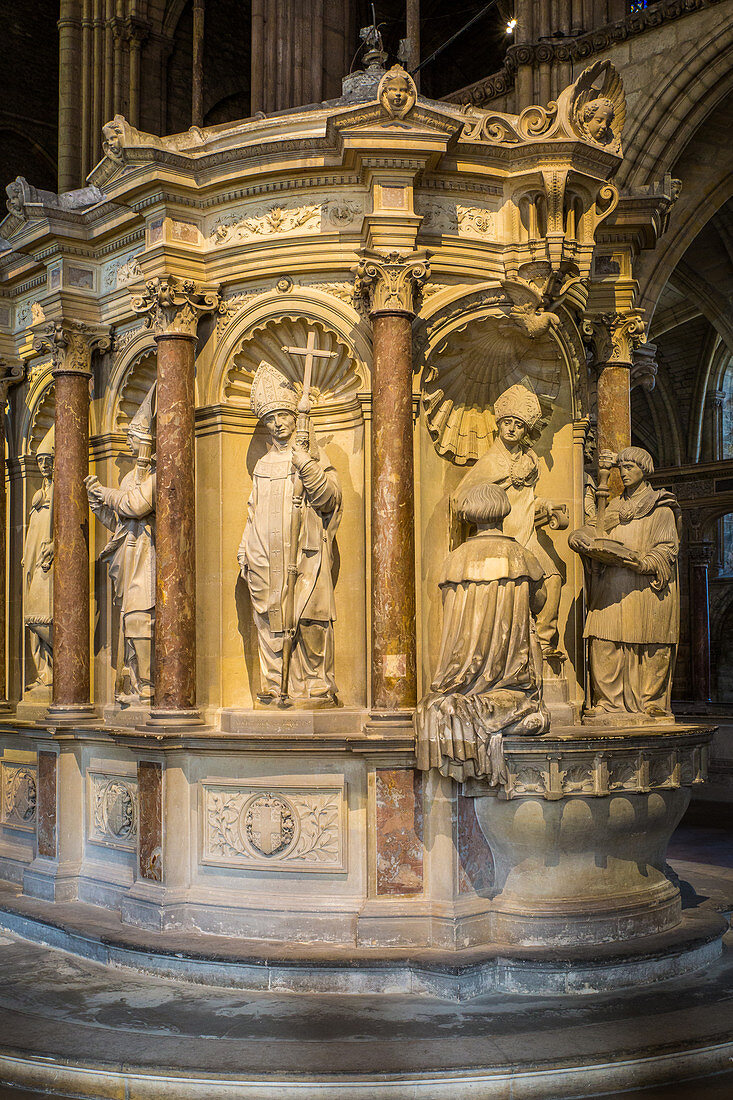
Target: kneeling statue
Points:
(489, 677)
(633, 619)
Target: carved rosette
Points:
(173, 306)
(391, 283)
(71, 344)
(616, 336)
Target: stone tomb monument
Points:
(365, 723)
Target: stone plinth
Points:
(579, 834)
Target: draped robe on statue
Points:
(265, 552)
(633, 621)
(38, 547)
(489, 676)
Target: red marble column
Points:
(390, 283)
(615, 336)
(174, 306)
(701, 554)
(394, 682)
(8, 376)
(71, 344)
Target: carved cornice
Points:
(391, 283)
(616, 336)
(172, 306)
(71, 344)
(576, 49)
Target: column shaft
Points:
(700, 557)
(197, 76)
(175, 631)
(3, 564)
(394, 683)
(69, 151)
(71, 545)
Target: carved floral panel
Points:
(279, 828)
(19, 796)
(113, 810)
(458, 218)
(319, 214)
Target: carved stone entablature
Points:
(592, 109)
(391, 283)
(71, 344)
(113, 810)
(173, 306)
(553, 769)
(616, 336)
(274, 828)
(19, 793)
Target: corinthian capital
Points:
(71, 344)
(616, 336)
(391, 283)
(173, 306)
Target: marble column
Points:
(390, 284)
(10, 374)
(615, 335)
(173, 307)
(71, 344)
(701, 555)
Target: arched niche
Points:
(229, 443)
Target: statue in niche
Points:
(286, 552)
(511, 463)
(129, 513)
(633, 617)
(38, 568)
(488, 682)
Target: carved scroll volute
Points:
(173, 306)
(71, 344)
(11, 373)
(616, 336)
(391, 283)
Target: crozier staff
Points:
(38, 568)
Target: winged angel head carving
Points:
(598, 109)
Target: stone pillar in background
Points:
(69, 138)
(173, 307)
(391, 284)
(701, 555)
(712, 436)
(71, 344)
(10, 374)
(615, 336)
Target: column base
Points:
(70, 714)
(391, 724)
(170, 719)
(6, 706)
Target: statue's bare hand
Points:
(94, 487)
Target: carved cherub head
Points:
(14, 192)
(397, 92)
(596, 118)
(112, 143)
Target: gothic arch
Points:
(701, 80)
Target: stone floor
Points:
(77, 1027)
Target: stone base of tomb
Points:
(309, 836)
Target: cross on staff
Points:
(310, 351)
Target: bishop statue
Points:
(286, 553)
